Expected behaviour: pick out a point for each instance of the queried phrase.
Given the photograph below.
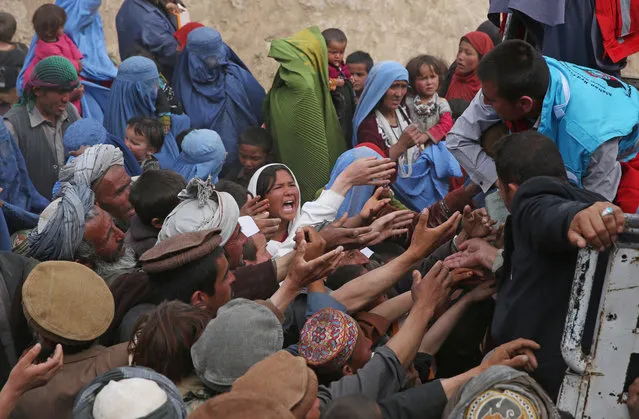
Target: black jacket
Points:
(539, 265)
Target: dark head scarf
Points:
(55, 72)
(173, 408)
(466, 86)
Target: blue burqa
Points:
(84, 27)
(134, 93)
(202, 156)
(431, 172)
(217, 90)
(21, 202)
(357, 196)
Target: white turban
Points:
(199, 212)
(91, 165)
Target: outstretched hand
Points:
(394, 224)
(374, 204)
(302, 272)
(365, 171)
(336, 235)
(425, 240)
(473, 253)
(267, 226)
(27, 375)
(477, 223)
(254, 206)
(432, 290)
(516, 354)
(597, 226)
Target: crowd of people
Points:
(362, 240)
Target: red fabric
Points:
(368, 132)
(64, 46)
(458, 182)
(628, 192)
(610, 21)
(373, 147)
(341, 72)
(439, 131)
(183, 33)
(466, 86)
(518, 126)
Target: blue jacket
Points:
(583, 108)
(141, 24)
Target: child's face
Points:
(427, 82)
(138, 144)
(467, 58)
(336, 53)
(359, 73)
(252, 157)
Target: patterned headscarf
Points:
(199, 212)
(91, 165)
(61, 226)
(328, 339)
(55, 72)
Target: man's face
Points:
(223, 282)
(507, 193)
(359, 73)
(252, 157)
(112, 193)
(362, 352)
(106, 238)
(506, 109)
(52, 103)
(234, 248)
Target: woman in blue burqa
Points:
(21, 203)
(84, 27)
(134, 93)
(216, 88)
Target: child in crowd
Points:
(340, 80)
(12, 57)
(254, 145)
(154, 195)
(144, 137)
(359, 64)
(48, 22)
(430, 112)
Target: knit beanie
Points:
(243, 333)
(55, 72)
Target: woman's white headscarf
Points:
(252, 188)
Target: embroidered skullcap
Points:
(328, 339)
(67, 302)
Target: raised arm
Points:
(362, 290)
(463, 141)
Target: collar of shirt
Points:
(36, 118)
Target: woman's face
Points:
(427, 82)
(467, 58)
(394, 95)
(284, 197)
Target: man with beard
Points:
(73, 228)
(101, 168)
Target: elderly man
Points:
(68, 307)
(101, 168)
(41, 117)
(73, 228)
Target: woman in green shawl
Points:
(299, 111)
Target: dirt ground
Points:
(389, 30)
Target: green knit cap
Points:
(55, 72)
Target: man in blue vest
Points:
(591, 116)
